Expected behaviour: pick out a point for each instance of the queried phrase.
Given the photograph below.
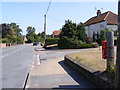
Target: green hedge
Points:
(50, 41)
(86, 45)
(67, 43)
(5, 40)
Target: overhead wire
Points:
(48, 7)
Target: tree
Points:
(30, 34)
(11, 32)
(81, 32)
(41, 34)
(102, 36)
(11, 35)
(69, 30)
(30, 30)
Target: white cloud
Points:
(60, 0)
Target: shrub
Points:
(89, 40)
(67, 43)
(50, 41)
(111, 71)
(5, 40)
(86, 45)
(20, 40)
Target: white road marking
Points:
(12, 52)
(38, 60)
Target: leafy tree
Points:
(30, 30)
(81, 32)
(41, 34)
(72, 35)
(5, 30)
(11, 32)
(102, 36)
(30, 34)
(69, 30)
(11, 36)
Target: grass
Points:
(92, 59)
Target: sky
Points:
(31, 13)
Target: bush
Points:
(85, 45)
(50, 41)
(89, 40)
(67, 43)
(5, 40)
(20, 40)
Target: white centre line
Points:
(12, 52)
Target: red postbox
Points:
(104, 49)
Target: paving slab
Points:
(55, 74)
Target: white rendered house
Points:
(102, 21)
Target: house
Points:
(56, 33)
(107, 20)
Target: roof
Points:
(56, 32)
(109, 17)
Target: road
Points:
(16, 62)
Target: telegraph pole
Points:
(117, 78)
(45, 24)
(44, 29)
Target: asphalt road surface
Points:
(16, 62)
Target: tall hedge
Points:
(50, 41)
(67, 43)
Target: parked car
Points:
(35, 43)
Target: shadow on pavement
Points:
(81, 80)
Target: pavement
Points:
(54, 74)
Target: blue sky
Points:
(31, 13)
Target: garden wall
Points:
(94, 77)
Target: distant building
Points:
(56, 33)
(102, 21)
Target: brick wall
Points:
(2, 45)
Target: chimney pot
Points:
(98, 12)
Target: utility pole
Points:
(45, 24)
(44, 30)
(117, 77)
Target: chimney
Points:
(98, 12)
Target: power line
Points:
(48, 7)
